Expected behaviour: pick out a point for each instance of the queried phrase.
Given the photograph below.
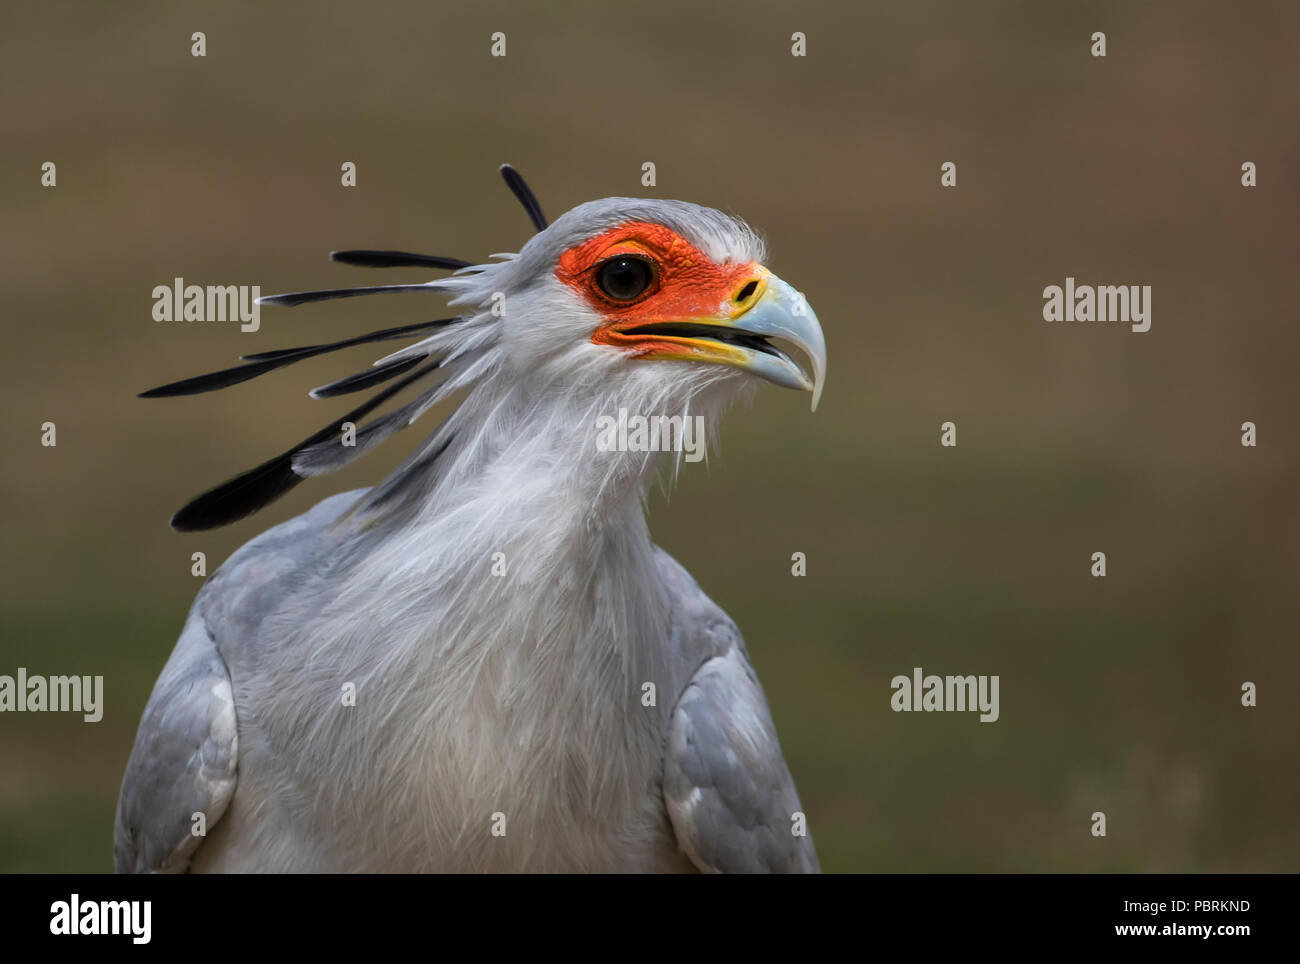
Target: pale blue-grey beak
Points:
(782, 312)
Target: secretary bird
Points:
(483, 663)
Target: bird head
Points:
(656, 294)
(661, 307)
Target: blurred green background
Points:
(1118, 694)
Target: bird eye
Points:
(624, 278)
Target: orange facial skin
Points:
(690, 287)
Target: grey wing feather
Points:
(183, 762)
(186, 752)
(729, 794)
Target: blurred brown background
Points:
(1119, 694)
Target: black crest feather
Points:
(263, 484)
(260, 486)
(525, 194)
(269, 361)
(396, 259)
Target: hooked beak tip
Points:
(784, 313)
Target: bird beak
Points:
(781, 312)
(764, 307)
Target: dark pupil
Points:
(624, 278)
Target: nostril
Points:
(746, 291)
